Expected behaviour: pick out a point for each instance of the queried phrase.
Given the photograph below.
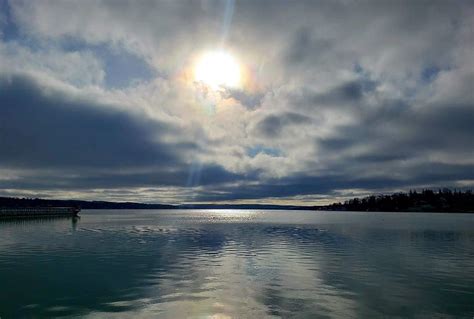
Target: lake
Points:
(238, 264)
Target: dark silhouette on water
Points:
(37, 202)
(427, 200)
(38, 212)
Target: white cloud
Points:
(337, 87)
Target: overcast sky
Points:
(341, 98)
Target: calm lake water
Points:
(238, 264)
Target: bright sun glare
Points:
(218, 69)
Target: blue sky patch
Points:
(429, 74)
(121, 67)
(255, 150)
(9, 30)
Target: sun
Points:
(218, 69)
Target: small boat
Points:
(17, 212)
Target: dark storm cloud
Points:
(76, 144)
(273, 125)
(40, 129)
(349, 92)
(154, 177)
(345, 96)
(396, 130)
(438, 175)
(305, 48)
(249, 100)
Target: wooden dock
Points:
(32, 212)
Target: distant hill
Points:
(427, 200)
(36, 202)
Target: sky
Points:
(100, 100)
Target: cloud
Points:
(274, 124)
(249, 100)
(64, 143)
(46, 129)
(78, 68)
(97, 99)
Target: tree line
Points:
(443, 200)
(14, 202)
(427, 200)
